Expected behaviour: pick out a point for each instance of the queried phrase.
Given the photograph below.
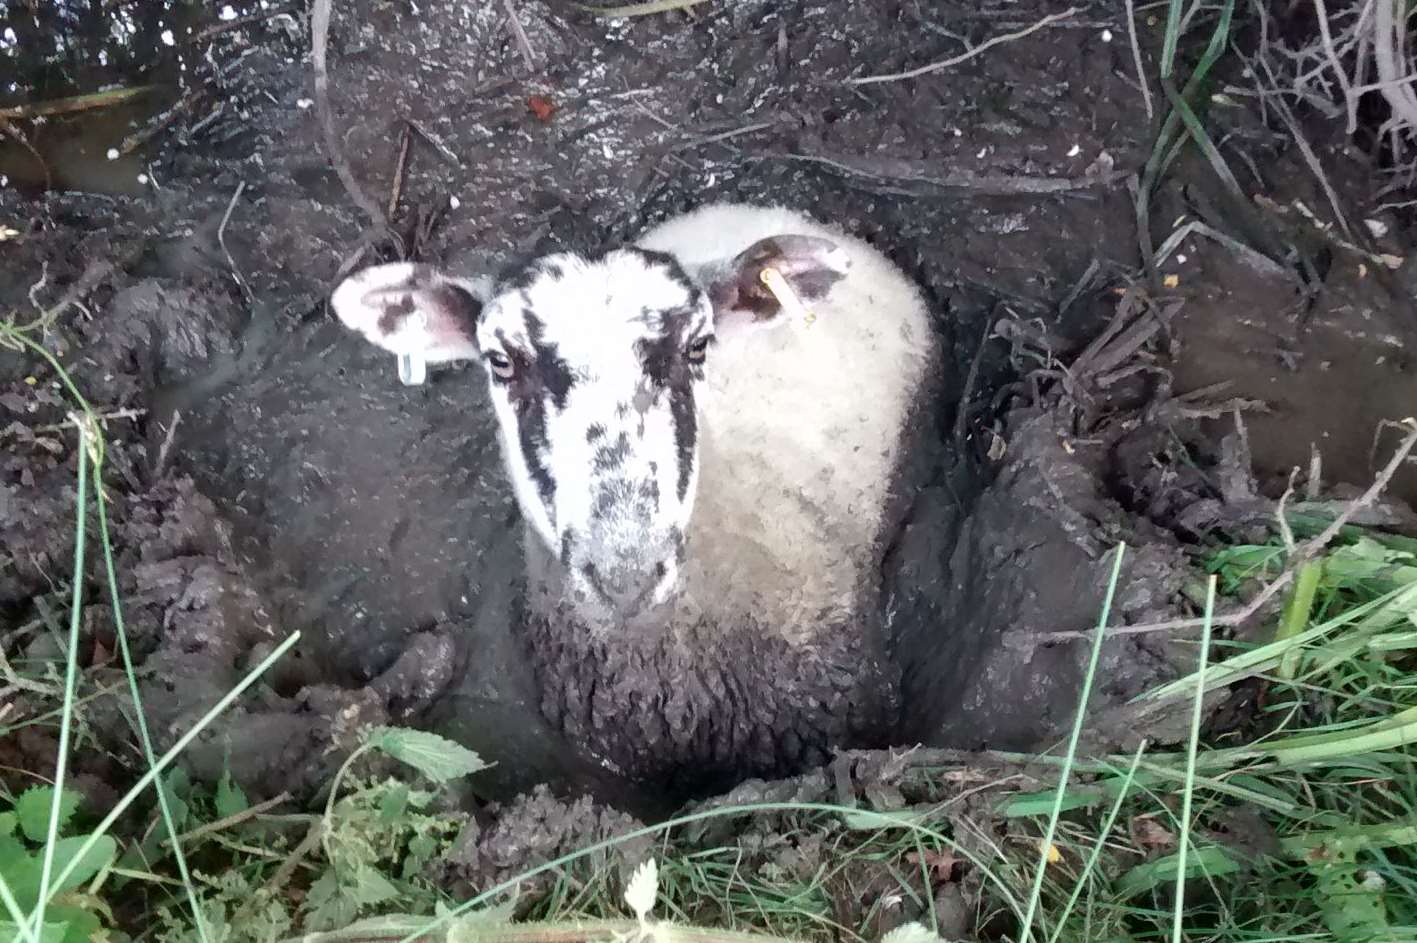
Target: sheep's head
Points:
(592, 365)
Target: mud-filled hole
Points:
(376, 518)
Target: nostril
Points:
(660, 570)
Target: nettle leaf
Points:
(19, 869)
(51, 932)
(9, 821)
(176, 789)
(32, 810)
(870, 820)
(370, 887)
(393, 804)
(230, 799)
(438, 758)
(94, 860)
(328, 904)
(80, 926)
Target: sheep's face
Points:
(592, 366)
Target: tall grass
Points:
(89, 459)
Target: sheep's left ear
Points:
(741, 301)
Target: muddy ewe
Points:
(705, 471)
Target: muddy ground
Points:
(278, 477)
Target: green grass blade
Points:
(1162, 152)
(17, 916)
(1371, 616)
(1171, 39)
(1036, 894)
(149, 754)
(1390, 733)
(71, 676)
(1097, 846)
(1296, 614)
(1188, 791)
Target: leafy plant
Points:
(377, 838)
(73, 917)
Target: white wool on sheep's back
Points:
(801, 429)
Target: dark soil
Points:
(280, 477)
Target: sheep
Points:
(705, 476)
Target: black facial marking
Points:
(668, 371)
(608, 494)
(568, 543)
(672, 270)
(649, 491)
(531, 436)
(611, 457)
(595, 431)
(686, 432)
(551, 367)
(535, 374)
(519, 277)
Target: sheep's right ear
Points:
(742, 302)
(414, 310)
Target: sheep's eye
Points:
(500, 364)
(698, 350)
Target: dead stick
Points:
(319, 43)
(962, 410)
(965, 56)
(241, 21)
(903, 171)
(523, 42)
(400, 170)
(65, 106)
(236, 818)
(1302, 555)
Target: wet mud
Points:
(277, 477)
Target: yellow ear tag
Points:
(785, 296)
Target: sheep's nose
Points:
(630, 586)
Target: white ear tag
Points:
(785, 296)
(413, 369)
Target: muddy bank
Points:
(280, 478)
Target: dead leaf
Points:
(542, 107)
(1148, 833)
(940, 864)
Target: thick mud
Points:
(278, 477)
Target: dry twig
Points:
(523, 41)
(319, 44)
(964, 56)
(1136, 58)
